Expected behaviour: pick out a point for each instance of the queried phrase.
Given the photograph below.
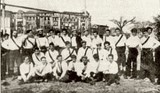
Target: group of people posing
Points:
(81, 56)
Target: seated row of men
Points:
(71, 70)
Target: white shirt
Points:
(44, 68)
(101, 53)
(110, 39)
(112, 68)
(10, 45)
(37, 58)
(42, 41)
(65, 53)
(81, 53)
(96, 41)
(52, 54)
(151, 43)
(103, 66)
(28, 42)
(133, 42)
(121, 42)
(53, 39)
(73, 41)
(26, 68)
(87, 39)
(111, 51)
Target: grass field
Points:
(126, 86)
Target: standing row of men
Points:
(125, 50)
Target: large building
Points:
(69, 20)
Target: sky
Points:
(102, 11)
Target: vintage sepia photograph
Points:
(80, 46)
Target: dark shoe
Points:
(5, 83)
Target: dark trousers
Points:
(132, 59)
(157, 62)
(4, 63)
(121, 56)
(70, 76)
(147, 65)
(14, 56)
(111, 78)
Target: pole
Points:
(3, 16)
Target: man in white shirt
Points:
(133, 46)
(14, 45)
(51, 54)
(109, 50)
(26, 70)
(149, 44)
(120, 44)
(28, 43)
(68, 51)
(100, 51)
(41, 41)
(84, 51)
(109, 38)
(52, 38)
(86, 37)
(36, 56)
(96, 40)
(111, 73)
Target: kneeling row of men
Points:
(72, 70)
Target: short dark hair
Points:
(95, 32)
(83, 42)
(59, 56)
(134, 30)
(67, 42)
(73, 56)
(43, 58)
(28, 31)
(64, 30)
(117, 29)
(51, 44)
(107, 42)
(83, 57)
(111, 55)
(149, 28)
(5, 35)
(36, 48)
(51, 30)
(108, 30)
(95, 56)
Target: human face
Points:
(37, 52)
(107, 46)
(83, 45)
(51, 33)
(51, 47)
(95, 34)
(84, 60)
(26, 60)
(149, 31)
(74, 59)
(110, 58)
(118, 32)
(134, 33)
(64, 32)
(59, 58)
(107, 33)
(146, 34)
(14, 34)
(86, 33)
(68, 45)
(44, 60)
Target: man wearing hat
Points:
(41, 41)
(84, 51)
(133, 46)
(149, 44)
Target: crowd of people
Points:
(81, 57)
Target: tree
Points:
(142, 24)
(123, 22)
(157, 22)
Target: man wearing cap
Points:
(120, 45)
(51, 54)
(133, 47)
(149, 44)
(68, 51)
(96, 40)
(41, 41)
(14, 44)
(84, 51)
